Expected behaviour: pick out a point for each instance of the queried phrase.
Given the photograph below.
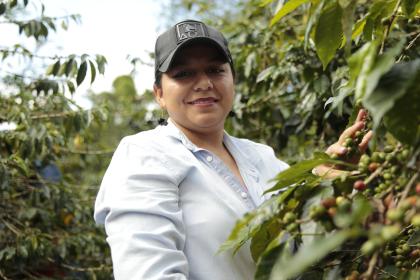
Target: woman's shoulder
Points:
(153, 139)
(259, 153)
(247, 144)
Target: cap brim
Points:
(168, 61)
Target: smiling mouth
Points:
(203, 101)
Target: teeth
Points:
(203, 101)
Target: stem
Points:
(4, 277)
(74, 268)
(386, 272)
(408, 186)
(99, 152)
(51, 115)
(388, 27)
(372, 264)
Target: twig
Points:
(87, 152)
(74, 268)
(4, 277)
(388, 27)
(374, 174)
(408, 186)
(11, 227)
(32, 54)
(410, 44)
(372, 264)
(386, 272)
(51, 115)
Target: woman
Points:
(171, 195)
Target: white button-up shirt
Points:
(168, 205)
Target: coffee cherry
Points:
(343, 204)
(329, 202)
(332, 211)
(289, 217)
(418, 188)
(359, 185)
(365, 159)
(390, 232)
(368, 247)
(348, 142)
(373, 166)
(415, 220)
(395, 215)
(387, 176)
(292, 227)
(388, 149)
(316, 212)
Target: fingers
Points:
(361, 115)
(350, 131)
(337, 149)
(365, 141)
(358, 125)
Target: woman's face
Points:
(198, 90)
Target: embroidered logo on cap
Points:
(186, 30)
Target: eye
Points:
(216, 70)
(182, 74)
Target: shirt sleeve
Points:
(139, 204)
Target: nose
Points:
(203, 83)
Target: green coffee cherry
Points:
(289, 217)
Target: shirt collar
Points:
(173, 131)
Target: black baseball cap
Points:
(184, 33)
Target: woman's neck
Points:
(209, 140)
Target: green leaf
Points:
(263, 75)
(361, 208)
(252, 221)
(56, 67)
(391, 87)
(312, 228)
(309, 255)
(373, 67)
(403, 118)
(2, 8)
(71, 86)
(414, 239)
(265, 3)
(92, 71)
(69, 67)
(260, 241)
(101, 61)
(328, 33)
(315, 12)
(347, 21)
(281, 250)
(81, 74)
(289, 7)
(299, 171)
(268, 259)
(358, 28)
(410, 7)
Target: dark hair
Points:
(158, 78)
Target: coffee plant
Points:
(46, 227)
(362, 224)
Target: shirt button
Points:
(209, 158)
(244, 195)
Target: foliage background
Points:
(296, 87)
